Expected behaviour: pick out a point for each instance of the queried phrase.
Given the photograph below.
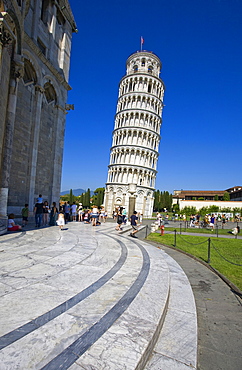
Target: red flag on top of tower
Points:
(142, 40)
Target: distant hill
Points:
(76, 192)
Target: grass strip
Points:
(221, 250)
(200, 231)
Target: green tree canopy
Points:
(226, 196)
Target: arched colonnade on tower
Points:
(141, 84)
(136, 138)
(134, 156)
(131, 175)
(138, 119)
(137, 101)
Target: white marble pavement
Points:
(92, 298)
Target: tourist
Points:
(11, 224)
(80, 212)
(140, 218)
(212, 222)
(53, 215)
(119, 221)
(95, 215)
(67, 209)
(102, 215)
(61, 220)
(39, 199)
(38, 211)
(73, 211)
(46, 209)
(235, 230)
(134, 224)
(86, 216)
(25, 215)
(124, 214)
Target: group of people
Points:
(120, 215)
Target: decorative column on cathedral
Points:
(136, 136)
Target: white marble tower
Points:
(136, 136)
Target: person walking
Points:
(119, 221)
(134, 224)
(61, 220)
(38, 211)
(25, 215)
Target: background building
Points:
(207, 198)
(35, 46)
(136, 136)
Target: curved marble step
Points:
(101, 306)
(176, 347)
(34, 344)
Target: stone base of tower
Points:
(141, 200)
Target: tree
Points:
(162, 200)
(216, 197)
(188, 211)
(176, 208)
(237, 210)
(71, 197)
(226, 196)
(226, 210)
(98, 197)
(156, 200)
(213, 208)
(203, 211)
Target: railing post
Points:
(217, 229)
(209, 249)
(180, 227)
(146, 231)
(174, 238)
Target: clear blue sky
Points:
(200, 45)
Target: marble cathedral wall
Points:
(35, 45)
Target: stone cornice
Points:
(142, 74)
(137, 110)
(139, 187)
(44, 60)
(135, 128)
(65, 9)
(139, 93)
(133, 167)
(137, 147)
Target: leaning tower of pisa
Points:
(136, 136)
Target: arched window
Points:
(50, 93)
(150, 69)
(29, 73)
(135, 68)
(143, 63)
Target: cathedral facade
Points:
(136, 136)
(35, 46)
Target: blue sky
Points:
(199, 43)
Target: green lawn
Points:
(221, 250)
(199, 230)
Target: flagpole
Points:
(141, 43)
